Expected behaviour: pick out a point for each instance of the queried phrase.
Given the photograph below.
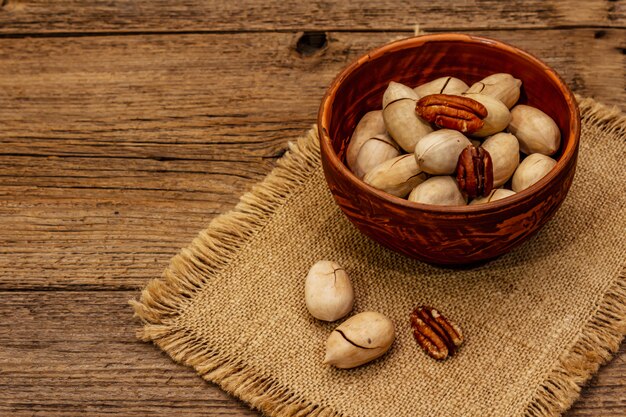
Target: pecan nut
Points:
(452, 112)
(438, 336)
(474, 172)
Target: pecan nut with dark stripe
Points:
(474, 172)
(439, 337)
(452, 112)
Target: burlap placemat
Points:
(538, 321)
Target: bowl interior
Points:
(417, 60)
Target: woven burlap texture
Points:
(538, 321)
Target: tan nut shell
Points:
(438, 152)
(360, 339)
(533, 168)
(328, 291)
(371, 124)
(397, 176)
(401, 121)
(398, 91)
(375, 151)
(535, 130)
(504, 151)
(442, 191)
(443, 85)
(498, 116)
(504, 87)
(494, 195)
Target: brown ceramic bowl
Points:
(439, 234)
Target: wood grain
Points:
(113, 160)
(200, 96)
(74, 352)
(116, 150)
(41, 16)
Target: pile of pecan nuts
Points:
(447, 143)
(329, 296)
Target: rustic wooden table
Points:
(127, 125)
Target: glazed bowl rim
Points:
(325, 113)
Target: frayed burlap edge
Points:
(601, 337)
(163, 299)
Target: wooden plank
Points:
(118, 150)
(75, 353)
(116, 155)
(41, 16)
(71, 353)
(199, 96)
(606, 393)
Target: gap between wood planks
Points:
(409, 31)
